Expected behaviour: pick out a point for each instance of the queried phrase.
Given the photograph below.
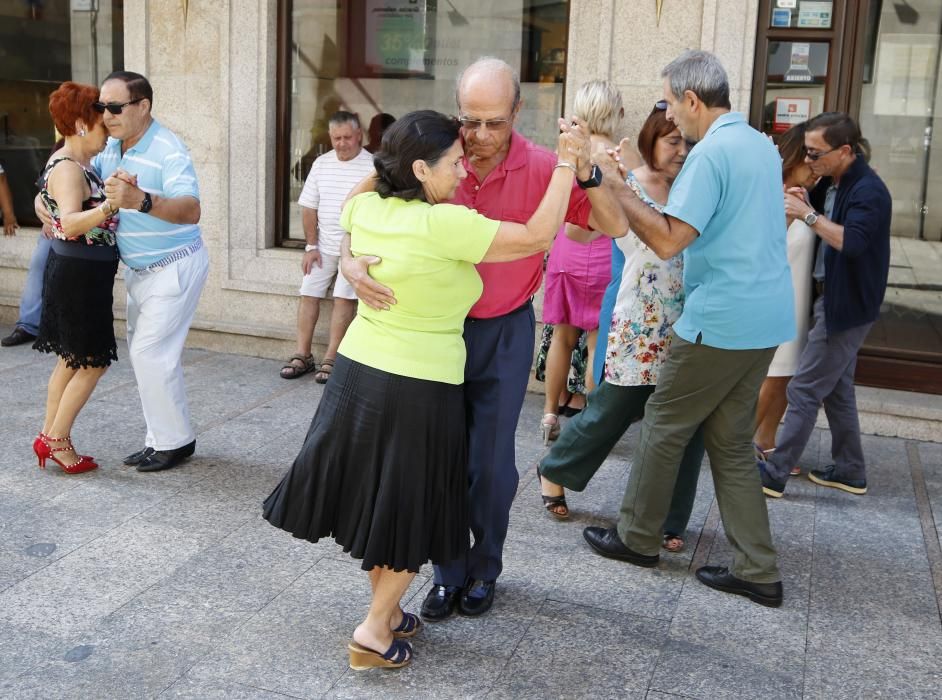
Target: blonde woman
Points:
(578, 273)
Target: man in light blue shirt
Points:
(149, 172)
(726, 213)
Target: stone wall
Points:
(213, 72)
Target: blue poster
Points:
(781, 18)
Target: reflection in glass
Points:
(795, 83)
(394, 56)
(44, 44)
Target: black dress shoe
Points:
(718, 577)
(165, 459)
(607, 543)
(440, 602)
(477, 597)
(17, 337)
(138, 457)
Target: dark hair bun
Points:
(422, 135)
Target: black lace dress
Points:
(77, 322)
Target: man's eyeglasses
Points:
(815, 155)
(114, 107)
(661, 105)
(491, 124)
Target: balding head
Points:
(489, 79)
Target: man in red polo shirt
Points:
(507, 177)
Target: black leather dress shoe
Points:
(17, 337)
(477, 597)
(607, 543)
(718, 577)
(138, 457)
(440, 602)
(165, 459)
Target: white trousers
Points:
(161, 305)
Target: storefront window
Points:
(802, 14)
(375, 57)
(900, 108)
(42, 44)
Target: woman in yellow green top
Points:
(383, 468)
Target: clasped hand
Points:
(122, 192)
(574, 146)
(796, 203)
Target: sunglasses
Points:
(113, 107)
(816, 155)
(490, 124)
(661, 105)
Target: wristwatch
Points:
(811, 218)
(595, 179)
(146, 204)
(308, 247)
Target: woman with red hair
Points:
(76, 322)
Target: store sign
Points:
(814, 15)
(781, 18)
(395, 36)
(790, 111)
(798, 71)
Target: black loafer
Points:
(440, 602)
(138, 457)
(477, 597)
(607, 543)
(718, 577)
(166, 459)
(17, 337)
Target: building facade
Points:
(248, 84)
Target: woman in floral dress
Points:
(648, 297)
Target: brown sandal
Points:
(292, 370)
(323, 372)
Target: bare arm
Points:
(6, 206)
(606, 215)
(309, 226)
(67, 186)
(664, 234)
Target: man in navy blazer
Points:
(850, 211)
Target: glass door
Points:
(899, 106)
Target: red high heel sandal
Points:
(45, 451)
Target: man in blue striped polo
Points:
(149, 172)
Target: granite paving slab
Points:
(121, 584)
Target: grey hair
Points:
(493, 64)
(702, 73)
(342, 116)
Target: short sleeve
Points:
(579, 207)
(459, 233)
(179, 176)
(310, 195)
(695, 194)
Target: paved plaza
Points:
(117, 584)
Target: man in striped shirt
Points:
(149, 172)
(331, 178)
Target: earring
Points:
(82, 132)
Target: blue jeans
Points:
(31, 301)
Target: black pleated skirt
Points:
(383, 470)
(77, 321)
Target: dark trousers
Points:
(500, 352)
(825, 376)
(589, 437)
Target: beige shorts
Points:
(318, 282)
